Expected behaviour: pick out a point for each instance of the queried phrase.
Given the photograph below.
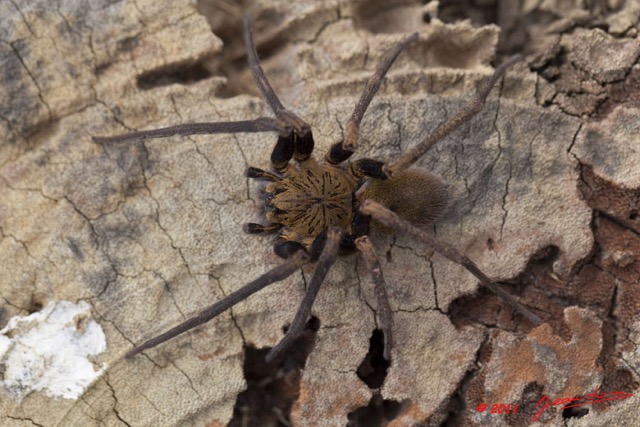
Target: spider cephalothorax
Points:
(317, 208)
(309, 199)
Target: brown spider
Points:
(319, 209)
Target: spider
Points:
(320, 209)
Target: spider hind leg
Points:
(326, 259)
(391, 220)
(278, 273)
(385, 316)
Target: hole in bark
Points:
(378, 413)
(490, 243)
(272, 388)
(34, 306)
(173, 73)
(574, 412)
(373, 369)
(384, 16)
(480, 13)
(546, 256)
(633, 215)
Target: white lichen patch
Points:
(49, 351)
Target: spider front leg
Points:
(391, 220)
(299, 144)
(295, 138)
(470, 109)
(341, 151)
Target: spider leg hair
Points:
(261, 124)
(277, 274)
(470, 109)
(341, 151)
(385, 316)
(325, 261)
(391, 220)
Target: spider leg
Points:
(253, 228)
(391, 220)
(360, 225)
(341, 151)
(261, 124)
(470, 109)
(285, 248)
(295, 137)
(301, 139)
(367, 167)
(385, 316)
(278, 273)
(257, 173)
(325, 261)
(280, 156)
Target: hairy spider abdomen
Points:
(416, 195)
(311, 198)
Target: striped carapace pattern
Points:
(309, 199)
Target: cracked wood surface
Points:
(149, 233)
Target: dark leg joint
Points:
(303, 146)
(253, 228)
(282, 152)
(258, 173)
(337, 154)
(359, 227)
(368, 167)
(317, 246)
(286, 248)
(347, 245)
(360, 224)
